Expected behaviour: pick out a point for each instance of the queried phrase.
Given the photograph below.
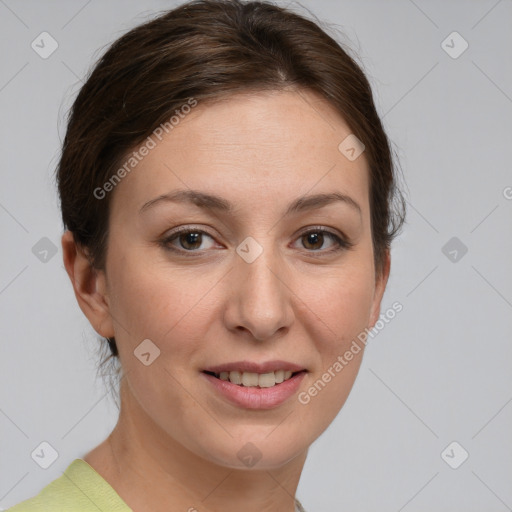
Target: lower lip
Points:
(257, 398)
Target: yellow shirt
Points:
(80, 489)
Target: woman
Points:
(227, 191)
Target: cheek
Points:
(342, 309)
(154, 301)
(166, 308)
(342, 304)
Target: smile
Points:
(253, 385)
(252, 379)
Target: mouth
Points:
(251, 385)
(253, 379)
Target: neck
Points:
(153, 472)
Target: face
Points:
(257, 282)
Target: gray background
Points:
(439, 372)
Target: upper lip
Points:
(250, 366)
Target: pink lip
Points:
(250, 366)
(255, 397)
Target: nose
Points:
(259, 304)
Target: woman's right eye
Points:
(186, 240)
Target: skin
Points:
(176, 442)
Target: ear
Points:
(89, 285)
(380, 287)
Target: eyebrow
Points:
(212, 202)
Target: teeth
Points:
(235, 377)
(279, 376)
(251, 379)
(266, 380)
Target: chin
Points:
(259, 451)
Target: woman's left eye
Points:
(313, 238)
(191, 240)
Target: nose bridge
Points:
(259, 265)
(261, 301)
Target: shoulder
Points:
(60, 494)
(79, 489)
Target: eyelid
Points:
(327, 230)
(186, 229)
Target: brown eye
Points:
(314, 239)
(187, 240)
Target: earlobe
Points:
(89, 286)
(380, 288)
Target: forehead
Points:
(255, 145)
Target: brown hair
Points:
(208, 50)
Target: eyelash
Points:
(342, 243)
